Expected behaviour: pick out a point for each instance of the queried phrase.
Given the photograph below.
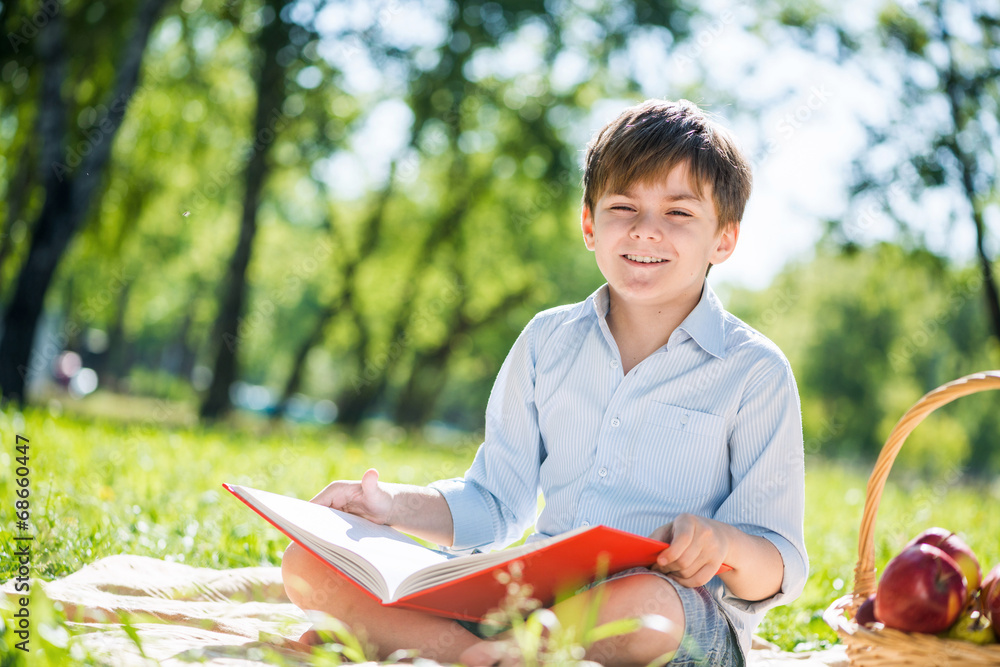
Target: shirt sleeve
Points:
(497, 500)
(768, 471)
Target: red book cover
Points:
(461, 587)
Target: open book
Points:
(398, 571)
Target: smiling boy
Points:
(653, 242)
(646, 407)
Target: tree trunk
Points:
(423, 387)
(429, 373)
(359, 397)
(356, 399)
(351, 412)
(17, 192)
(69, 194)
(957, 87)
(298, 364)
(990, 291)
(113, 368)
(268, 121)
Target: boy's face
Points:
(654, 242)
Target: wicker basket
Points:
(886, 646)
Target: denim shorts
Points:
(709, 639)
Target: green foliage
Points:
(867, 333)
(936, 147)
(50, 640)
(340, 642)
(158, 384)
(457, 232)
(899, 25)
(104, 487)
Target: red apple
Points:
(990, 582)
(921, 590)
(958, 549)
(954, 546)
(866, 612)
(991, 597)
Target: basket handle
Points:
(864, 571)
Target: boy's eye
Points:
(680, 213)
(621, 207)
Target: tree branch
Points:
(92, 166)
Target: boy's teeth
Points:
(645, 260)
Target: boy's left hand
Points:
(698, 547)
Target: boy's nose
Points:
(645, 229)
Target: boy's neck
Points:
(641, 329)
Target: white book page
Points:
(378, 550)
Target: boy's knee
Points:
(296, 568)
(293, 558)
(642, 594)
(311, 584)
(632, 597)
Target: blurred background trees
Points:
(344, 211)
(71, 162)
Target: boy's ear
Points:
(725, 243)
(587, 225)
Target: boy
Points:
(646, 407)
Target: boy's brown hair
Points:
(649, 139)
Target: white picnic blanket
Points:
(224, 618)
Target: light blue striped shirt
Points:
(709, 424)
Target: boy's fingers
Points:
(661, 565)
(327, 496)
(662, 533)
(699, 578)
(688, 562)
(680, 541)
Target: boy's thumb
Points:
(369, 481)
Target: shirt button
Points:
(603, 472)
(614, 363)
(616, 422)
(584, 523)
(684, 419)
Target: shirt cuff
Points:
(793, 579)
(471, 514)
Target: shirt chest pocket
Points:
(680, 453)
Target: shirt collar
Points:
(705, 324)
(602, 301)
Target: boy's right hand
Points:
(367, 498)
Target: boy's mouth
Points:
(644, 259)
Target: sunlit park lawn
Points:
(153, 488)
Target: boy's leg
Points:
(702, 634)
(618, 598)
(311, 584)
(632, 594)
(632, 597)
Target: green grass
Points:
(101, 487)
(153, 487)
(835, 496)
